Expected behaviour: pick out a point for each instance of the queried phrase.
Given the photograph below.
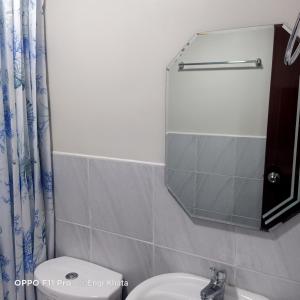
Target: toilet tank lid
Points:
(72, 278)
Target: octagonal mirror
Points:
(232, 127)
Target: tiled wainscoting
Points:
(217, 176)
(119, 214)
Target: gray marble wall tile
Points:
(121, 197)
(71, 188)
(132, 258)
(250, 157)
(275, 253)
(174, 229)
(216, 154)
(72, 240)
(244, 222)
(183, 186)
(169, 261)
(274, 288)
(181, 151)
(212, 216)
(215, 193)
(248, 197)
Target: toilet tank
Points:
(67, 278)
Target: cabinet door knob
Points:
(274, 177)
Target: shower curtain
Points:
(26, 189)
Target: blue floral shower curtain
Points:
(26, 191)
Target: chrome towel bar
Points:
(257, 63)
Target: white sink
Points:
(180, 286)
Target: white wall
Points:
(107, 63)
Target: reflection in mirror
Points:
(232, 139)
(218, 91)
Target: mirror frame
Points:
(283, 140)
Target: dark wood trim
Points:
(284, 93)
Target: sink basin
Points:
(180, 286)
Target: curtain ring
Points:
(290, 57)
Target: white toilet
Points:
(67, 278)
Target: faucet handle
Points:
(213, 271)
(222, 275)
(214, 274)
(218, 275)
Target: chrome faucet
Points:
(216, 288)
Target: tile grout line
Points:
(153, 217)
(123, 236)
(217, 135)
(91, 244)
(89, 209)
(227, 264)
(109, 232)
(235, 255)
(195, 177)
(89, 156)
(194, 255)
(270, 275)
(216, 174)
(72, 223)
